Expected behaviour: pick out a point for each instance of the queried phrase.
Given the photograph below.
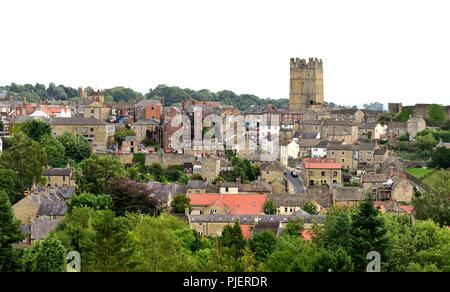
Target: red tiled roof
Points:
(246, 231)
(407, 209)
(321, 163)
(306, 235)
(237, 204)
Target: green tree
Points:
(404, 137)
(425, 144)
(196, 176)
(26, 158)
(292, 254)
(76, 148)
(56, 155)
(2, 127)
(36, 129)
(161, 245)
(10, 234)
(11, 185)
(440, 158)
(233, 239)
(435, 204)
(96, 202)
(130, 196)
(335, 231)
(179, 203)
(404, 115)
(262, 245)
(111, 245)
(122, 133)
(310, 208)
(367, 233)
(270, 208)
(97, 172)
(384, 119)
(436, 115)
(294, 227)
(48, 255)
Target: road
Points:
(296, 182)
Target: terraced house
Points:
(100, 134)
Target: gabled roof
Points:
(366, 146)
(52, 208)
(57, 172)
(236, 204)
(196, 184)
(345, 111)
(75, 121)
(41, 229)
(150, 122)
(321, 163)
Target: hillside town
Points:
(212, 165)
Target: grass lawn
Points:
(432, 179)
(419, 173)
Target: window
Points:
(332, 152)
(311, 173)
(64, 178)
(290, 210)
(343, 153)
(92, 129)
(92, 111)
(335, 173)
(343, 160)
(285, 210)
(323, 173)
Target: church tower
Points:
(306, 88)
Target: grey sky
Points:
(372, 50)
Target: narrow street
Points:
(296, 182)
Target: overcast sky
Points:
(372, 50)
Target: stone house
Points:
(59, 177)
(320, 150)
(320, 171)
(342, 153)
(99, 133)
(372, 131)
(213, 225)
(288, 151)
(196, 187)
(415, 125)
(355, 115)
(365, 153)
(273, 174)
(97, 110)
(383, 187)
(147, 129)
(346, 196)
(396, 129)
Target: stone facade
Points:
(306, 84)
(99, 133)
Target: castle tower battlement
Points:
(306, 84)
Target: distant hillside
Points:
(174, 95)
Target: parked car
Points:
(294, 173)
(299, 166)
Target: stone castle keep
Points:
(306, 84)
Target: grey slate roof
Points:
(196, 184)
(77, 121)
(41, 229)
(57, 172)
(150, 122)
(52, 208)
(348, 194)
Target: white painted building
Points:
(320, 150)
